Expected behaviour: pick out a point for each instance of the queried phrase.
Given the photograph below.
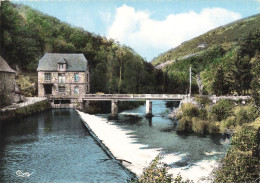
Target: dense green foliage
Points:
(240, 115)
(229, 64)
(27, 34)
(241, 163)
(212, 118)
(222, 109)
(27, 83)
(196, 119)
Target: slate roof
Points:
(4, 67)
(75, 62)
(62, 61)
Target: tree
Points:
(240, 74)
(220, 85)
(122, 54)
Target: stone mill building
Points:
(64, 79)
(7, 83)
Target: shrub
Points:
(203, 114)
(252, 112)
(203, 101)
(246, 139)
(222, 109)
(240, 163)
(238, 167)
(229, 122)
(189, 109)
(27, 84)
(241, 116)
(185, 124)
(155, 173)
(245, 114)
(199, 125)
(213, 127)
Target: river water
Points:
(192, 155)
(56, 147)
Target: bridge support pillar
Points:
(114, 108)
(85, 104)
(148, 108)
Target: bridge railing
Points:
(137, 96)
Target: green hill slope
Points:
(224, 61)
(26, 34)
(227, 36)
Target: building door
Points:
(47, 89)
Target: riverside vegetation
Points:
(157, 172)
(24, 111)
(241, 163)
(230, 64)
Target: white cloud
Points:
(149, 37)
(258, 2)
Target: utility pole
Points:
(190, 84)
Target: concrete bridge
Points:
(114, 98)
(65, 101)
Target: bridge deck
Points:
(124, 97)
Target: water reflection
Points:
(55, 147)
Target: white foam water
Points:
(120, 143)
(123, 145)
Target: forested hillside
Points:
(224, 61)
(27, 34)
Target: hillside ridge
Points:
(220, 35)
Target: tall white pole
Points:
(190, 84)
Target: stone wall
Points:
(69, 84)
(7, 87)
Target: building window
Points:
(76, 90)
(87, 77)
(76, 77)
(60, 66)
(61, 89)
(61, 78)
(47, 76)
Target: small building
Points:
(7, 83)
(202, 46)
(63, 78)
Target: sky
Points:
(150, 27)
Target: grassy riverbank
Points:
(24, 111)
